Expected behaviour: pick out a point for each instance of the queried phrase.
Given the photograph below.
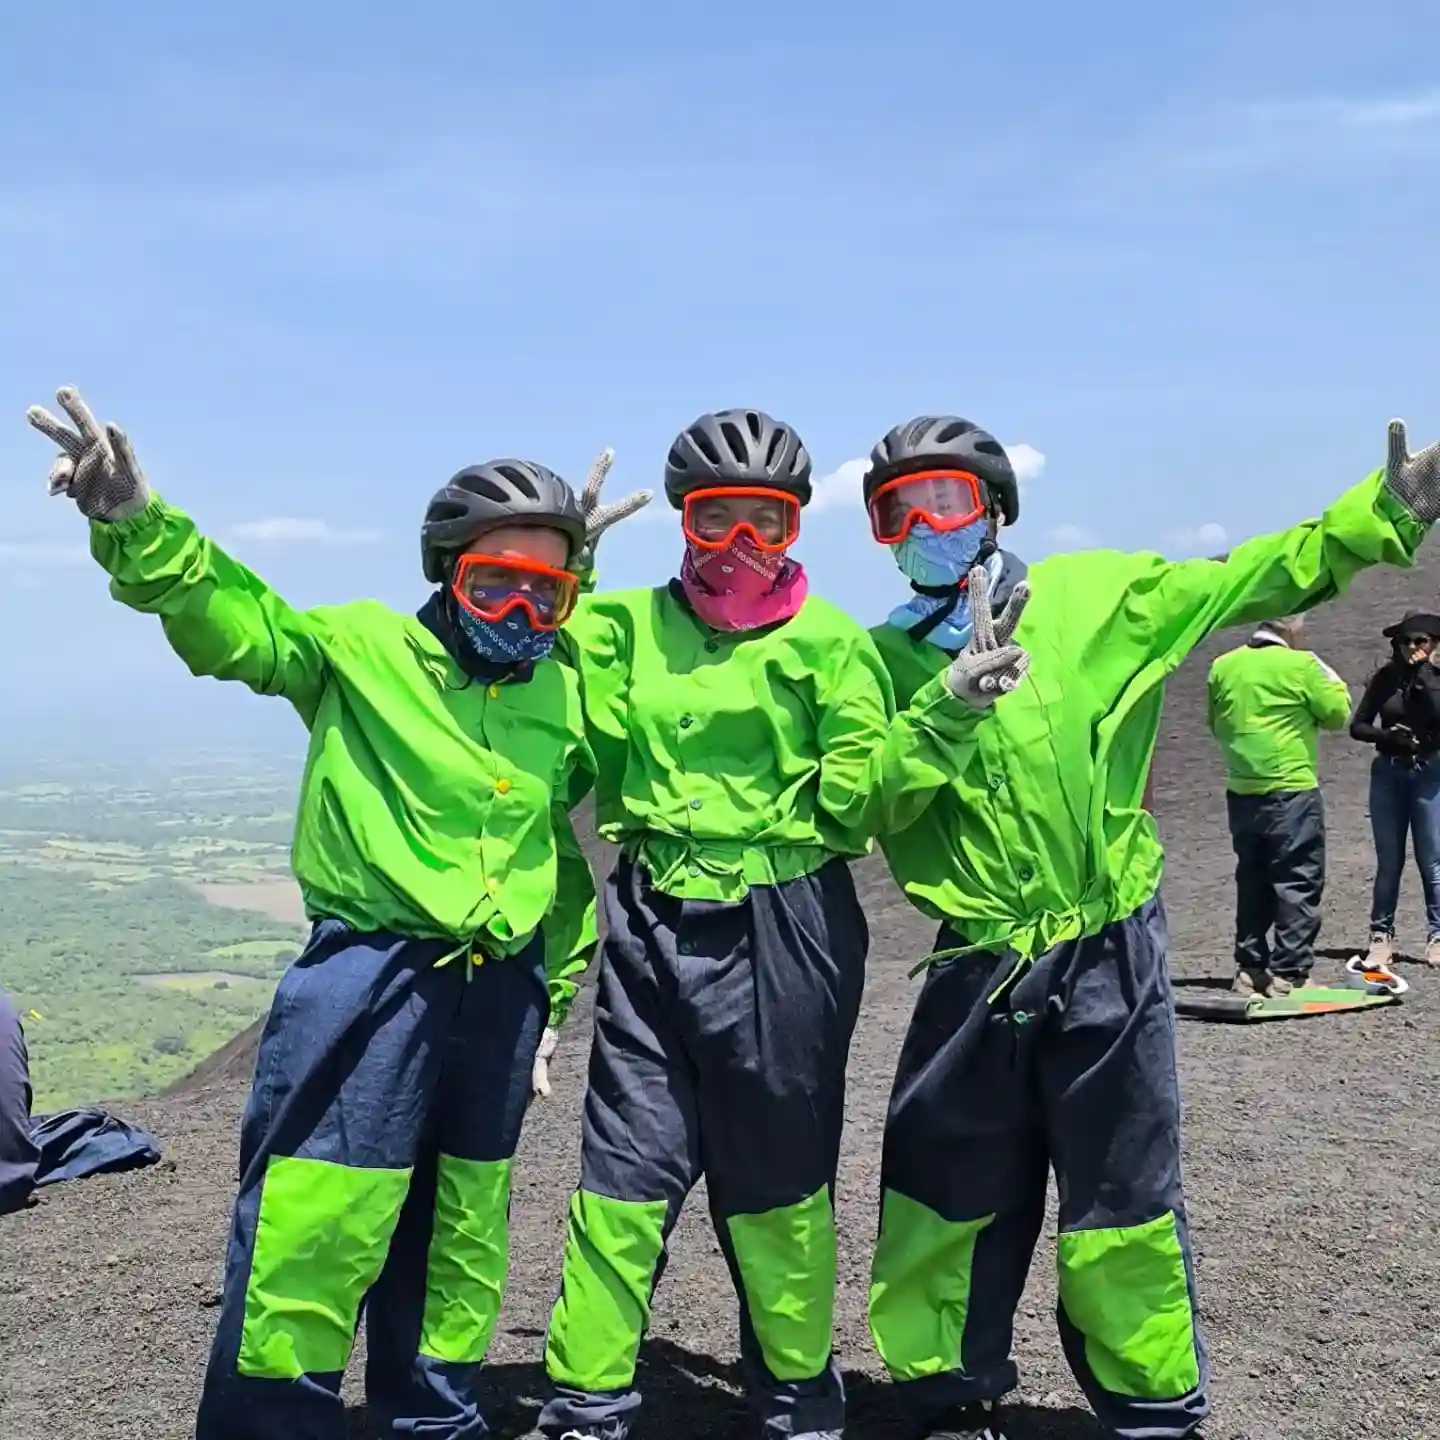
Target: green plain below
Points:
(279, 899)
(199, 980)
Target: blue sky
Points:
(317, 257)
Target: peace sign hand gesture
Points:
(96, 467)
(1414, 480)
(991, 665)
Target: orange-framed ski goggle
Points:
(714, 518)
(491, 586)
(941, 499)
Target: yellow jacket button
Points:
(494, 692)
(502, 787)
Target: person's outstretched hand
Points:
(599, 518)
(1414, 480)
(96, 467)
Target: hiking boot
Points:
(1381, 952)
(980, 1420)
(1432, 952)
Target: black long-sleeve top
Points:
(1399, 713)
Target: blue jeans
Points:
(1405, 800)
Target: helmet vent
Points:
(739, 450)
(705, 444)
(520, 480)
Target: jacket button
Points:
(695, 804)
(502, 787)
(493, 692)
(1027, 874)
(712, 646)
(686, 721)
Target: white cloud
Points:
(1071, 537)
(289, 530)
(1029, 463)
(1207, 539)
(842, 487)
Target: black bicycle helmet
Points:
(932, 441)
(484, 497)
(737, 447)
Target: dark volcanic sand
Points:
(1313, 1165)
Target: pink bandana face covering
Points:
(742, 587)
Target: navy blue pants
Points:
(722, 1033)
(1073, 1067)
(18, 1152)
(1279, 845)
(388, 1098)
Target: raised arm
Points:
(221, 619)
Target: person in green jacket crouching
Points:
(746, 749)
(1266, 703)
(395, 1068)
(1044, 1031)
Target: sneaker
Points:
(1432, 952)
(1381, 952)
(980, 1420)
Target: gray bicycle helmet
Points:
(484, 497)
(931, 441)
(737, 447)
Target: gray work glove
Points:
(540, 1070)
(1414, 480)
(599, 518)
(96, 467)
(990, 665)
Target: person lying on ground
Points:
(1044, 1033)
(19, 1154)
(1266, 703)
(1399, 714)
(746, 746)
(432, 838)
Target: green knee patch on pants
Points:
(320, 1242)
(787, 1265)
(920, 1287)
(611, 1250)
(1125, 1291)
(469, 1255)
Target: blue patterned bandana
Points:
(509, 640)
(935, 558)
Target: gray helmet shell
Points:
(934, 441)
(485, 497)
(737, 447)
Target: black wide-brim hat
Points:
(1416, 623)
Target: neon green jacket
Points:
(431, 806)
(732, 760)
(1266, 703)
(1041, 836)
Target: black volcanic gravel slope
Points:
(1313, 1165)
